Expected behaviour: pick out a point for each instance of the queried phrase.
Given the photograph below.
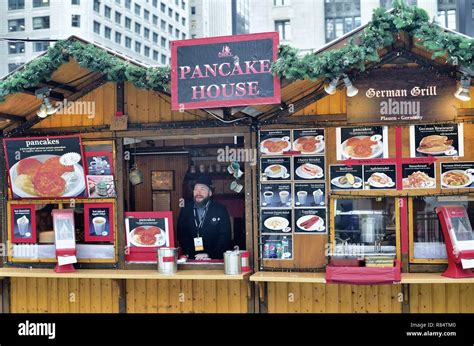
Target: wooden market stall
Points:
(409, 228)
(310, 200)
(135, 126)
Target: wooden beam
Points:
(52, 94)
(56, 85)
(11, 117)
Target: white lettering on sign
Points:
(415, 91)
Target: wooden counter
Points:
(120, 274)
(288, 277)
(407, 278)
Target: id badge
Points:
(198, 245)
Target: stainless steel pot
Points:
(232, 263)
(167, 260)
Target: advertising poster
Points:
(23, 228)
(99, 163)
(308, 141)
(419, 176)
(310, 195)
(99, 222)
(45, 167)
(361, 142)
(345, 177)
(380, 177)
(276, 195)
(308, 167)
(145, 232)
(437, 140)
(310, 221)
(276, 221)
(275, 168)
(277, 246)
(275, 142)
(457, 175)
(101, 186)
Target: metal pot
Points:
(232, 263)
(167, 260)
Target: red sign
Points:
(224, 71)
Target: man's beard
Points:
(202, 203)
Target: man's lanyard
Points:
(196, 218)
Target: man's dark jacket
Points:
(215, 230)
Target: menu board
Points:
(298, 203)
(275, 142)
(98, 222)
(23, 223)
(457, 175)
(276, 221)
(308, 167)
(276, 195)
(308, 141)
(278, 168)
(368, 142)
(419, 176)
(45, 167)
(310, 195)
(380, 177)
(437, 140)
(346, 178)
(277, 246)
(145, 232)
(310, 221)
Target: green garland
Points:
(89, 57)
(380, 33)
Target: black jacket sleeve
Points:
(185, 238)
(224, 241)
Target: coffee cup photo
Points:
(99, 224)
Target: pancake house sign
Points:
(224, 71)
(410, 95)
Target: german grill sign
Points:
(390, 96)
(224, 71)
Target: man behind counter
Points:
(204, 226)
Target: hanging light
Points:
(331, 87)
(463, 91)
(351, 90)
(46, 108)
(135, 175)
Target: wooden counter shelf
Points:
(407, 278)
(120, 274)
(288, 277)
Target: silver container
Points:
(232, 263)
(167, 260)
(368, 230)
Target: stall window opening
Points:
(365, 226)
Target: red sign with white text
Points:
(224, 71)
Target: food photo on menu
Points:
(457, 175)
(308, 167)
(276, 195)
(277, 246)
(42, 167)
(310, 220)
(346, 178)
(308, 141)
(380, 177)
(310, 195)
(276, 221)
(361, 142)
(437, 140)
(419, 176)
(275, 142)
(275, 168)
